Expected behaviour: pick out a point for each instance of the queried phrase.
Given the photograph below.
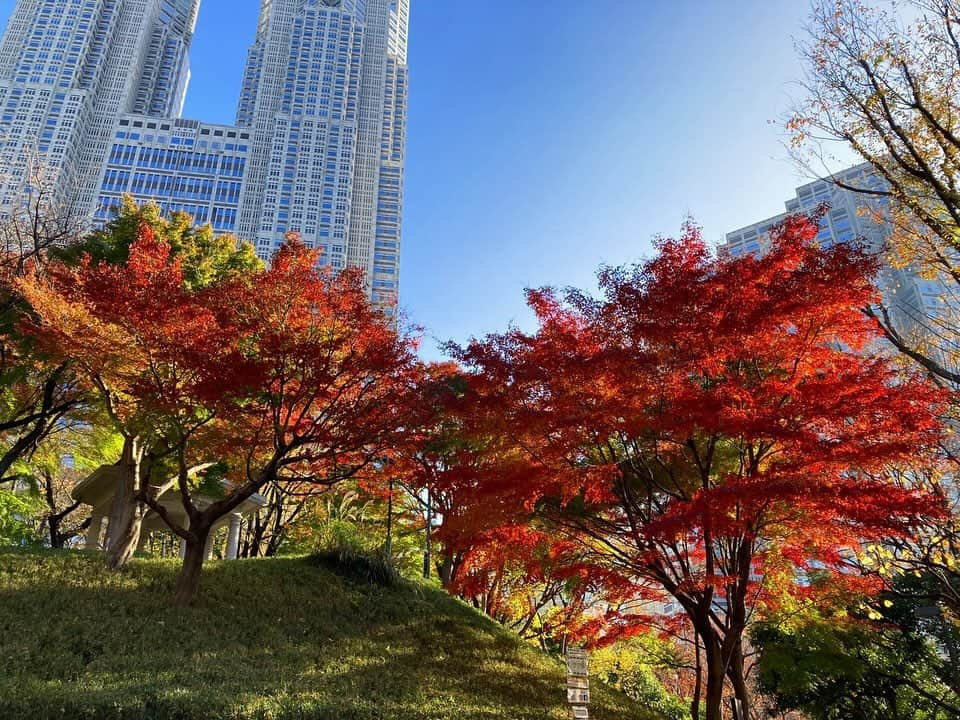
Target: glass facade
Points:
(179, 164)
(325, 97)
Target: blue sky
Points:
(549, 136)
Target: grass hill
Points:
(277, 639)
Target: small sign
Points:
(578, 683)
(577, 667)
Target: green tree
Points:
(639, 668)
(80, 445)
(206, 258)
(889, 659)
(18, 512)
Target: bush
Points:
(374, 568)
(19, 514)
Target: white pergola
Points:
(98, 490)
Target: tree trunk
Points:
(698, 681)
(126, 515)
(53, 519)
(246, 546)
(56, 541)
(446, 570)
(427, 547)
(713, 696)
(735, 671)
(257, 534)
(188, 581)
(388, 545)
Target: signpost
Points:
(578, 683)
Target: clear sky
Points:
(549, 136)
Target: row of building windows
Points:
(188, 161)
(223, 219)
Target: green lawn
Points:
(267, 639)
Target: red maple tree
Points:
(317, 388)
(709, 426)
(284, 375)
(140, 340)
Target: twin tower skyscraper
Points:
(91, 93)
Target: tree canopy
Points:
(707, 429)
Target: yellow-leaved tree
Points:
(883, 80)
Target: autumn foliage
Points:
(276, 376)
(143, 343)
(708, 431)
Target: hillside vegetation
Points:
(267, 639)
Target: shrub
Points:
(372, 567)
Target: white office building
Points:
(68, 69)
(181, 165)
(91, 92)
(915, 302)
(324, 96)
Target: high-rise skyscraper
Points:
(324, 96)
(914, 299)
(68, 69)
(92, 90)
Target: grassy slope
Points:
(267, 639)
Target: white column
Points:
(183, 543)
(208, 547)
(144, 541)
(233, 537)
(94, 532)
